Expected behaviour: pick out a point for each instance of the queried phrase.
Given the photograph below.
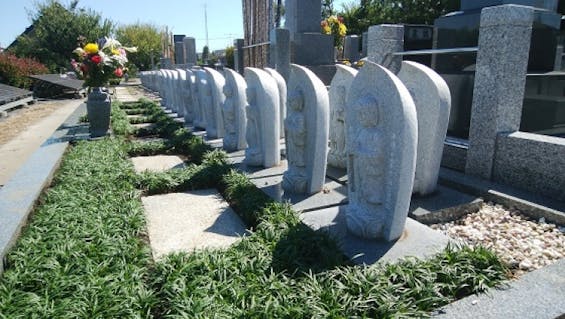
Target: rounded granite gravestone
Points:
(169, 90)
(338, 92)
(180, 91)
(203, 101)
(262, 111)
(281, 84)
(307, 130)
(163, 78)
(382, 137)
(188, 100)
(196, 108)
(216, 82)
(234, 111)
(174, 91)
(433, 103)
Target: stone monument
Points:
(262, 110)
(382, 41)
(189, 51)
(281, 84)
(203, 100)
(307, 130)
(433, 103)
(339, 88)
(234, 111)
(180, 91)
(196, 110)
(382, 137)
(309, 47)
(215, 128)
(188, 102)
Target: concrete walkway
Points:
(16, 152)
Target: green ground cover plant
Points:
(84, 253)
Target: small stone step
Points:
(157, 163)
(184, 222)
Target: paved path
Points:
(16, 152)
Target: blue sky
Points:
(181, 16)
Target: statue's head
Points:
(367, 111)
(296, 100)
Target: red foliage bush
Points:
(14, 71)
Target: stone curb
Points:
(535, 206)
(20, 194)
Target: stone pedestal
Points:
(500, 79)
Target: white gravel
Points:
(524, 244)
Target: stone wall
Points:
(532, 162)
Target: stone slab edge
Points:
(535, 206)
(20, 194)
(538, 294)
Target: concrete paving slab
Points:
(332, 194)
(147, 126)
(539, 294)
(417, 240)
(157, 163)
(444, 205)
(337, 174)
(190, 221)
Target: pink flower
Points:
(118, 72)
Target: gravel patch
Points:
(523, 243)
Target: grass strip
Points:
(82, 256)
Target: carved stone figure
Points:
(203, 98)
(306, 131)
(263, 132)
(295, 178)
(188, 100)
(196, 109)
(433, 104)
(215, 128)
(382, 135)
(281, 84)
(180, 92)
(234, 111)
(338, 92)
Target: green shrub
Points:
(14, 71)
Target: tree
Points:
(230, 61)
(55, 30)
(146, 37)
(205, 54)
(327, 8)
(358, 17)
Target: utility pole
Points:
(206, 25)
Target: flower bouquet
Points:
(334, 25)
(97, 64)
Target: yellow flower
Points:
(333, 19)
(327, 29)
(91, 48)
(342, 29)
(115, 52)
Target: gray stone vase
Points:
(98, 111)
